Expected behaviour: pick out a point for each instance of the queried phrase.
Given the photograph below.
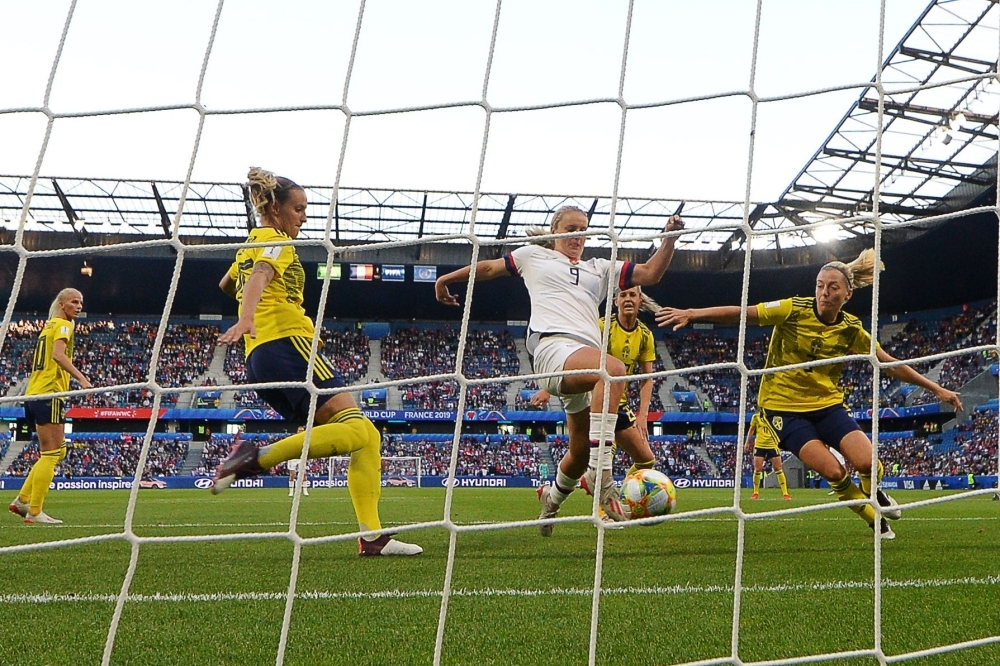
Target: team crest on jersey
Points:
(777, 422)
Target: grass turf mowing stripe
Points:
(45, 598)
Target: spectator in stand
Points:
(50, 373)
(268, 283)
(804, 408)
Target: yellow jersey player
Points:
(805, 407)
(267, 281)
(631, 342)
(763, 443)
(51, 369)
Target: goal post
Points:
(397, 471)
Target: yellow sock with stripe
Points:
(42, 472)
(348, 432)
(636, 466)
(340, 436)
(758, 479)
(25, 494)
(780, 474)
(866, 480)
(846, 491)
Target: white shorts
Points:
(292, 464)
(550, 356)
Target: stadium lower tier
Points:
(970, 449)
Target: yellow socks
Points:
(758, 479)
(347, 433)
(781, 481)
(866, 480)
(636, 466)
(846, 491)
(41, 476)
(341, 436)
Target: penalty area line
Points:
(87, 597)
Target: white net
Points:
(611, 233)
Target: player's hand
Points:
(540, 399)
(672, 317)
(237, 331)
(85, 383)
(748, 447)
(675, 223)
(443, 295)
(951, 397)
(642, 425)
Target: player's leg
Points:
(857, 450)
(50, 440)
(758, 476)
(601, 434)
(291, 481)
(779, 473)
(817, 456)
(634, 444)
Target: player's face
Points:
(831, 293)
(571, 247)
(73, 305)
(628, 302)
(291, 215)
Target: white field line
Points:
(47, 598)
(284, 524)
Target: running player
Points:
(804, 408)
(51, 369)
(563, 334)
(267, 281)
(764, 447)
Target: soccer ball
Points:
(648, 493)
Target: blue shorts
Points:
(626, 418)
(286, 360)
(44, 412)
(793, 429)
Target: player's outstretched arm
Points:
(907, 374)
(652, 270)
(227, 286)
(724, 314)
(260, 277)
(485, 270)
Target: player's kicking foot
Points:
(609, 494)
(386, 546)
(755, 496)
(888, 504)
(241, 463)
(787, 496)
(42, 518)
(19, 507)
(549, 509)
(887, 532)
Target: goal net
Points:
(592, 594)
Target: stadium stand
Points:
(111, 454)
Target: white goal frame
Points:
(346, 459)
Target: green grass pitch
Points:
(520, 599)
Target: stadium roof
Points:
(938, 155)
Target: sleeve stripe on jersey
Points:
(508, 261)
(625, 279)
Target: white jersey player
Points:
(563, 335)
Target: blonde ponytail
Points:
(55, 310)
(265, 188)
(553, 225)
(860, 273)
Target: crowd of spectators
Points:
(722, 387)
(522, 401)
(18, 347)
(111, 454)
(410, 352)
(478, 455)
(676, 456)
